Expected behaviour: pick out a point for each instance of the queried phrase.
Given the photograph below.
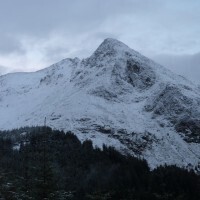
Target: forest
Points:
(41, 163)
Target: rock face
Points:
(117, 97)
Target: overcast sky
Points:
(35, 34)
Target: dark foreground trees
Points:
(56, 165)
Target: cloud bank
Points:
(35, 34)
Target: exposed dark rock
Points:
(170, 101)
(139, 76)
(191, 129)
(104, 93)
(104, 129)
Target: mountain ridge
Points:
(116, 96)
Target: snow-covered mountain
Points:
(117, 97)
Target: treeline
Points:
(49, 164)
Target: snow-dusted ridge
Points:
(117, 97)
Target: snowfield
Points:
(115, 97)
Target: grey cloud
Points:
(55, 53)
(185, 65)
(40, 17)
(9, 44)
(43, 31)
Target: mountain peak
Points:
(111, 44)
(113, 41)
(111, 49)
(116, 97)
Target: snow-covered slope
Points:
(117, 97)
